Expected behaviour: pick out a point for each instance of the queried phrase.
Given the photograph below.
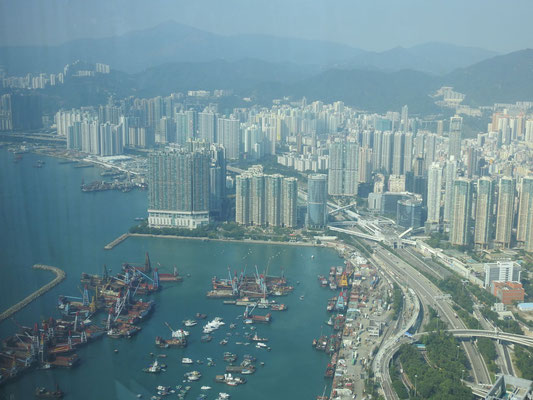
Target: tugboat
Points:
(43, 393)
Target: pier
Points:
(60, 275)
(117, 241)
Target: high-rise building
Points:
(450, 173)
(257, 198)
(408, 145)
(505, 213)
(207, 126)
(242, 199)
(461, 212)
(178, 195)
(343, 172)
(398, 153)
(455, 137)
(289, 200)
(387, 146)
(434, 194)
(217, 171)
(265, 199)
(483, 228)
(229, 136)
(273, 199)
(317, 197)
(524, 230)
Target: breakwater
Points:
(60, 275)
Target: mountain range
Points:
(173, 57)
(172, 42)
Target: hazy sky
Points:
(368, 24)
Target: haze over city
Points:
(241, 200)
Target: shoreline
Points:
(124, 236)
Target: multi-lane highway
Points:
(427, 293)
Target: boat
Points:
(139, 218)
(302, 297)
(43, 393)
(256, 338)
(261, 345)
(223, 342)
(193, 376)
(205, 388)
(201, 316)
(190, 322)
(230, 357)
(153, 369)
(186, 360)
(223, 396)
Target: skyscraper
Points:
(317, 196)
(265, 199)
(434, 194)
(289, 200)
(343, 173)
(242, 199)
(398, 153)
(461, 212)
(524, 231)
(387, 146)
(206, 126)
(229, 136)
(483, 229)
(455, 137)
(504, 216)
(178, 193)
(450, 173)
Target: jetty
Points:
(60, 275)
(117, 241)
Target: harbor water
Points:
(46, 219)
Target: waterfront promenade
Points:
(124, 236)
(60, 275)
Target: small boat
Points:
(43, 393)
(302, 297)
(193, 376)
(223, 396)
(256, 338)
(205, 388)
(201, 316)
(189, 322)
(186, 360)
(224, 342)
(153, 369)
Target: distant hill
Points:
(507, 78)
(172, 42)
(501, 79)
(433, 58)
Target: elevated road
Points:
(429, 294)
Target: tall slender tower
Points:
(455, 137)
(450, 174)
(461, 218)
(434, 194)
(524, 231)
(242, 199)
(317, 196)
(483, 230)
(504, 217)
(289, 201)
